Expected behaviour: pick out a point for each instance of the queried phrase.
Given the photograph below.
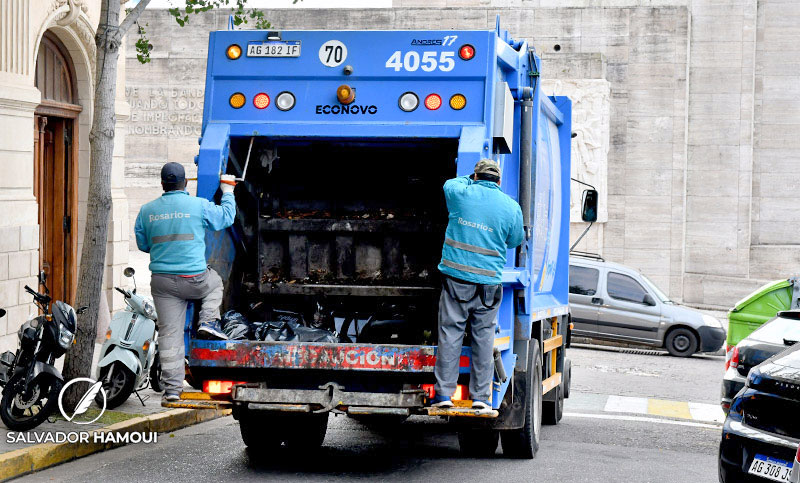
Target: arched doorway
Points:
(56, 166)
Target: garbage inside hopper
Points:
(286, 326)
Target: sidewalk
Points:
(22, 453)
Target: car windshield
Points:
(661, 295)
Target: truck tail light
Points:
(433, 102)
(261, 100)
(285, 101)
(458, 101)
(219, 387)
(237, 100)
(233, 52)
(408, 101)
(461, 394)
(466, 52)
(733, 362)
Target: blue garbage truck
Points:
(342, 141)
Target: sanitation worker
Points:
(483, 224)
(172, 229)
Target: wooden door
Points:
(56, 167)
(54, 186)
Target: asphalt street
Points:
(595, 442)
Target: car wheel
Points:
(681, 342)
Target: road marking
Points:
(643, 419)
(668, 409)
(625, 404)
(693, 411)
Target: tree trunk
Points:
(78, 361)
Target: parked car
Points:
(614, 302)
(762, 431)
(765, 342)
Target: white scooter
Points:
(129, 356)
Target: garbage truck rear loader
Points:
(343, 140)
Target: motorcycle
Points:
(30, 380)
(129, 356)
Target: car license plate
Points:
(274, 48)
(770, 468)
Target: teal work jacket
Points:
(483, 224)
(172, 230)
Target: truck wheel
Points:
(259, 430)
(524, 442)
(305, 432)
(681, 342)
(567, 377)
(478, 443)
(552, 411)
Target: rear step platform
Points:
(196, 400)
(462, 409)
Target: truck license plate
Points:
(770, 468)
(274, 48)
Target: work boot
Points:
(170, 397)
(481, 407)
(211, 330)
(441, 402)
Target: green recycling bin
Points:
(758, 307)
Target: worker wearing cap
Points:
(172, 230)
(483, 224)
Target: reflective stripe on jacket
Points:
(483, 224)
(172, 230)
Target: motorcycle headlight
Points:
(65, 337)
(149, 310)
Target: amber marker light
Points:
(458, 101)
(237, 100)
(234, 52)
(345, 94)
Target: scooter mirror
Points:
(128, 272)
(42, 276)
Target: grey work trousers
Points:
(460, 303)
(171, 293)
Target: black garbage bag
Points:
(287, 316)
(289, 331)
(235, 325)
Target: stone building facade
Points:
(689, 120)
(47, 70)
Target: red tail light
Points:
(797, 456)
(461, 394)
(261, 100)
(733, 362)
(433, 102)
(219, 387)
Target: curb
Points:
(37, 457)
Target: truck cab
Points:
(343, 140)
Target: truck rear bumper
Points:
(328, 397)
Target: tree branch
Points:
(132, 17)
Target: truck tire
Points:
(305, 432)
(681, 342)
(259, 431)
(478, 443)
(552, 411)
(567, 377)
(524, 442)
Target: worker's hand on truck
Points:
(226, 183)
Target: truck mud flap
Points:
(326, 398)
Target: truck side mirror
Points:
(648, 300)
(2, 312)
(589, 209)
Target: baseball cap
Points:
(487, 166)
(172, 173)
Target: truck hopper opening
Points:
(336, 229)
